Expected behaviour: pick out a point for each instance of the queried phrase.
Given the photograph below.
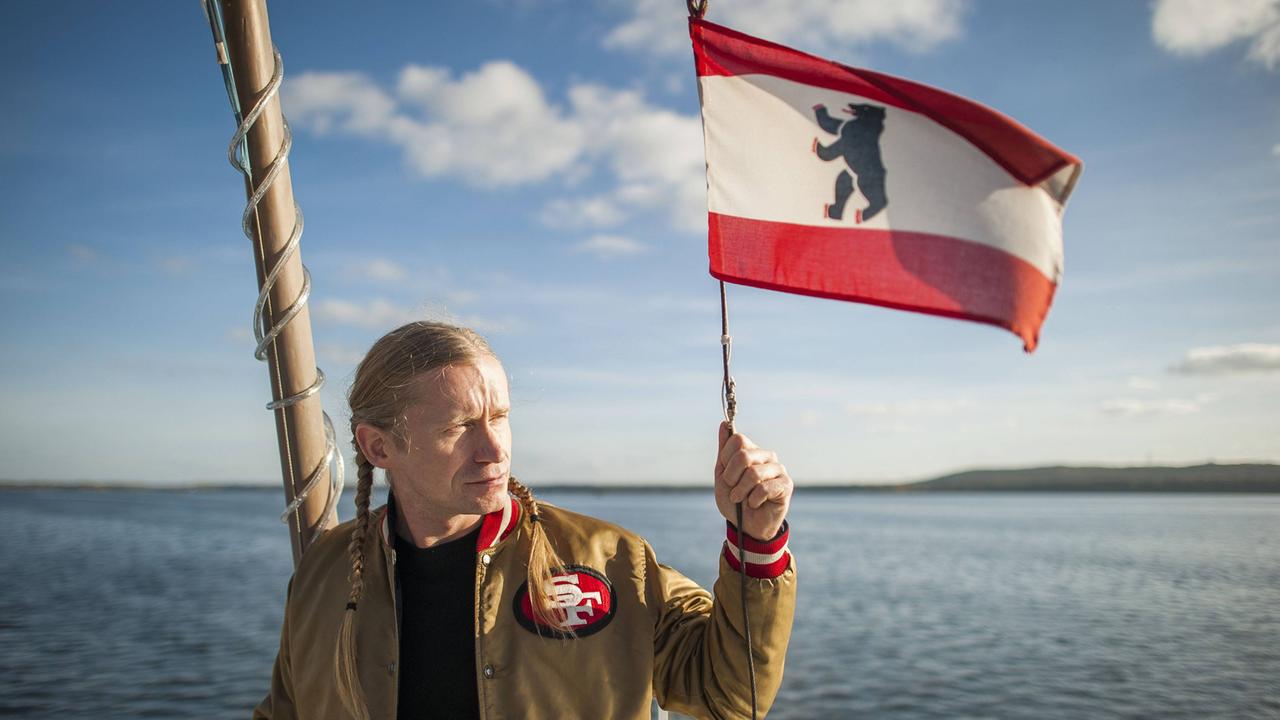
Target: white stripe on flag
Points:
(760, 165)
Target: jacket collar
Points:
(494, 528)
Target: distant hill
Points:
(1196, 478)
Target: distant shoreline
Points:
(1209, 478)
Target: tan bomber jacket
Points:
(641, 630)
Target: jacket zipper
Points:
(394, 586)
(481, 681)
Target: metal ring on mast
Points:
(266, 336)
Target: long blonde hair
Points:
(379, 396)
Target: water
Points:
(162, 604)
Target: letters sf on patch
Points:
(584, 596)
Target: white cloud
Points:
(380, 313)
(590, 212)
(1196, 27)
(914, 408)
(495, 326)
(175, 265)
(817, 25)
(1275, 149)
(339, 355)
(328, 102)
(607, 247)
(811, 418)
(495, 127)
(461, 297)
(1230, 360)
(380, 270)
(83, 253)
(1178, 272)
(584, 376)
(655, 154)
(1137, 382)
(489, 128)
(1130, 407)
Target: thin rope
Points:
(729, 400)
(728, 395)
(264, 335)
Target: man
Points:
(464, 597)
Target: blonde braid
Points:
(543, 560)
(522, 493)
(345, 654)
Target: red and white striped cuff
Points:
(765, 559)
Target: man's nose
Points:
(491, 449)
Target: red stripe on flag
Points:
(932, 274)
(1023, 154)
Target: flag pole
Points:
(728, 399)
(282, 324)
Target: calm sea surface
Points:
(167, 604)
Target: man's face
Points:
(457, 454)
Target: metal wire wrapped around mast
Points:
(265, 335)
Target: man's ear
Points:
(375, 444)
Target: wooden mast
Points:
(291, 358)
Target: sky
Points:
(535, 170)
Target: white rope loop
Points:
(264, 336)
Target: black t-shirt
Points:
(437, 629)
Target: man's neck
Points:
(425, 531)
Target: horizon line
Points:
(578, 484)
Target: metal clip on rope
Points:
(266, 336)
(728, 394)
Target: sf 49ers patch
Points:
(584, 597)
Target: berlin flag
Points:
(843, 183)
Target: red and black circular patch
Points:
(583, 594)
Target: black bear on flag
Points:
(859, 145)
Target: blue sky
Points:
(533, 169)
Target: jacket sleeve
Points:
(278, 704)
(700, 663)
